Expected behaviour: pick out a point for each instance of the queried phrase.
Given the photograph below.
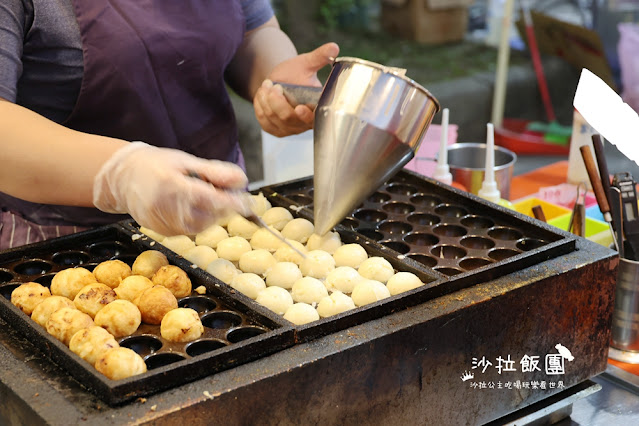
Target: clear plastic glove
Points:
(152, 185)
(272, 110)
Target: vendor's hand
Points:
(153, 186)
(273, 111)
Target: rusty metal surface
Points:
(403, 368)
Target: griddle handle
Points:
(595, 181)
(538, 212)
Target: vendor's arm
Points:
(268, 54)
(45, 162)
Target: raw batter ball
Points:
(350, 255)
(178, 243)
(94, 297)
(308, 290)
(65, 322)
(90, 343)
(181, 325)
(343, 278)
(260, 204)
(277, 217)
(239, 226)
(376, 268)
(28, 296)
(232, 248)
(132, 286)
(369, 291)
(329, 242)
(69, 282)
(154, 303)
(120, 363)
(223, 270)
(111, 272)
(403, 281)
(152, 234)
(318, 264)
(201, 256)
(173, 278)
(298, 229)
(263, 239)
(120, 318)
(44, 309)
(257, 261)
(211, 236)
(283, 274)
(148, 262)
(286, 254)
(248, 284)
(301, 313)
(334, 304)
(276, 299)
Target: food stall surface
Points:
(412, 366)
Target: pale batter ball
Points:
(403, 281)
(148, 262)
(132, 286)
(154, 303)
(298, 229)
(44, 309)
(92, 342)
(350, 255)
(28, 295)
(308, 290)
(263, 239)
(120, 363)
(277, 217)
(329, 242)
(260, 204)
(223, 270)
(181, 325)
(200, 256)
(248, 284)
(211, 236)
(239, 226)
(178, 243)
(65, 322)
(173, 278)
(334, 304)
(69, 282)
(276, 299)
(152, 234)
(120, 318)
(94, 297)
(286, 254)
(257, 261)
(232, 248)
(343, 278)
(369, 291)
(318, 264)
(283, 274)
(111, 272)
(376, 268)
(301, 313)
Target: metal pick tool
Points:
(252, 217)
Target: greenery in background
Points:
(355, 26)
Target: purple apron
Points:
(165, 88)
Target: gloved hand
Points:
(152, 185)
(272, 110)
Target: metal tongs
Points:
(252, 217)
(577, 223)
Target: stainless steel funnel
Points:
(369, 121)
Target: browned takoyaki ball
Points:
(111, 272)
(94, 297)
(132, 286)
(44, 309)
(90, 343)
(173, 278)
(69, 282)
(120, 318)
(181, 325)
(148, 262)
(154, 303)
(28, 295)
(65, 322)
(120, 363)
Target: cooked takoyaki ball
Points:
(120, 318)
(111, 272)
(94, 297)
(69, 282)
(154, 303)
(28, 296)
(181, 325)
(90, 343)
(148, 262)
(173, 278)
(44, 309)
(120, 363)
(65, 322)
